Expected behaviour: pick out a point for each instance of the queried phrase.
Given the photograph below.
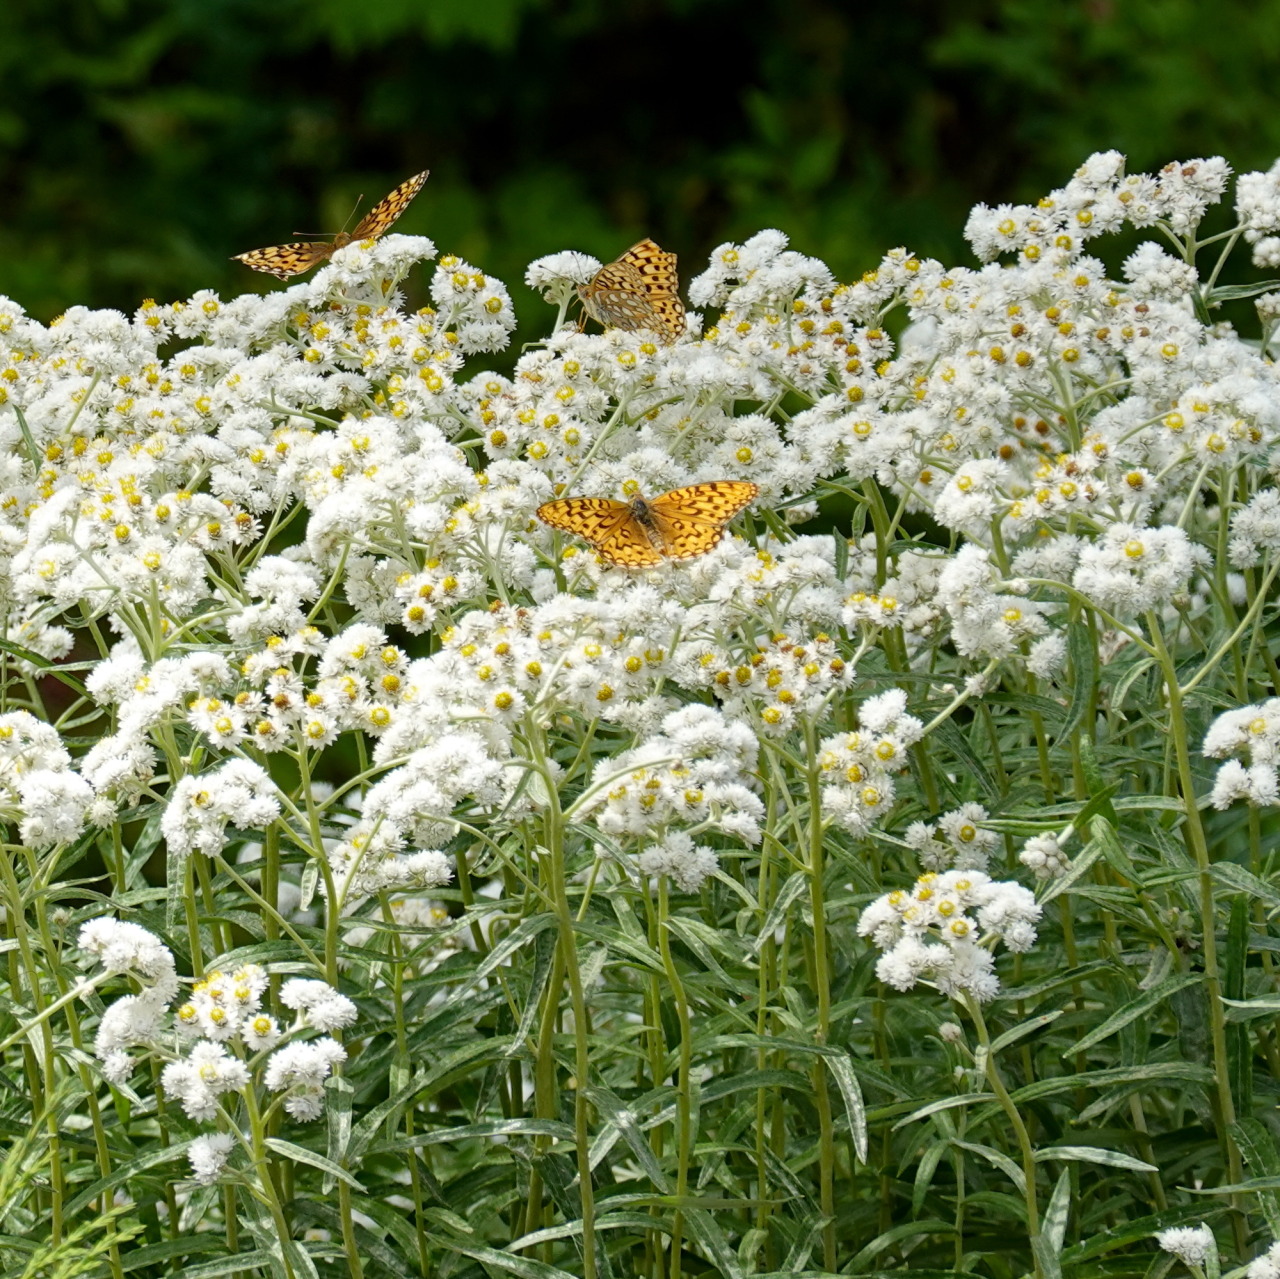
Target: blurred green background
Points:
(142, 142)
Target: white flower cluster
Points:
(123, 947)
(1192, 1245)
(309, 516)
(225, 1016)
(695, 774)
(943, 931)
(38, 787)
(1254, 731)
(858, 768)
(956, 841)
(1266, 1265)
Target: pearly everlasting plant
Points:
(616, 920)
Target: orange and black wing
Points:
(284, 260)
(380, 219)
(609, 526)
(691, 521)
(657, 268)
(617, 298)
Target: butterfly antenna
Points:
(345, 224)
(354, 207)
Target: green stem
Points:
(1197, 846)
(557, 873)
(684, 1130)
(822, 986)
(1015, 1122)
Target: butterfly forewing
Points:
(662, 284)
(380, 219)
(691, 521)
(284, 260)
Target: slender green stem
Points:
(992, 1072)
(556, 872)
(822, 987)
(684, 1070)
(1198, 847)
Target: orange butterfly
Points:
(639, 291)
(284, 260)
(680, 525)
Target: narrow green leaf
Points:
(1235, 876)
(1082, 657)
(300, 1154)
(997, 1159)
(793, 886)
(525, 1267)
(841, 1067)
(1054, 1226)
(1094, 1155)
(1131, 1011)
(1029, 1027)
(1258, 1146)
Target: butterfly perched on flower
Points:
(639, 291)
(284, 260)
(680, 525)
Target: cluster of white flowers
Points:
(309, 516)
(1193, 1245)
(943, 931)
(858, 768)
(957, 840)
(1266, 1265)
(696, 775)
(1254, 731)
(225, 1015)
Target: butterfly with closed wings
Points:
(284, 260)
(639, 291)
(641, 533)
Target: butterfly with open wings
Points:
(644, 532)
(284, 260)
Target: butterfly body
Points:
(644, 532)
(639, 291)
(284, 260)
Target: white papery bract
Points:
(300, 1070)
(124, 947)
(198, 1081)
(201, 809)
(209, 1155)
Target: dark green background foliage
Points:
(142, 142)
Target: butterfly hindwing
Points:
(628, 546)
(662, 284)
(616, 298)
